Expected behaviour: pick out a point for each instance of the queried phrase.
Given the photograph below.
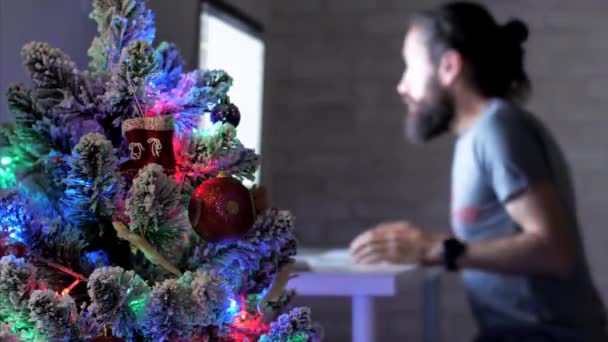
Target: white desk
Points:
(331, 273)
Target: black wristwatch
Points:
(452, 249)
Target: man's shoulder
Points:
(504, 122)
(505, 115)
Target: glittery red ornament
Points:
(226, 112)
(221, 208)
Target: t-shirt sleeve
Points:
(512, 155)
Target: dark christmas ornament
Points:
(227, 113)
(16, 249)
(221, 208)
(150, 140)
(107, 337)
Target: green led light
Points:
(7, 179)
(138, 305)
(5, 161)
(301, 337)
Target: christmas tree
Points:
(119, 218)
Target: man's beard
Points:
(432, 116)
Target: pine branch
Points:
(14, 213)
(24, 147)
(252, 262)
(24, 213)
(17, 279)
(50, 243)
(181, 307)
(170, 64)
(92, 183)
(29, 138)
(126, 94)
(212, 144)
(55, 315)
(119, 22)
(51, 180)
(20, 103)
(7, 335)
(50, 71)
(212, 295)
(244, 165)
(217, 149)
(155, 212)
(169, 311)
(62, 96)
(59, 245)
(118, 299)
(196, 92)
(58, 85)
(295, 326)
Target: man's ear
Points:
(450, 67)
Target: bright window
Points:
(233, 45)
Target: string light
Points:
(234, 306)
(4, 161)
(70, 288)
(77, 277)
(245, 325)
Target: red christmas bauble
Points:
(221, 208)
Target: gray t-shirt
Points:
(503, 153)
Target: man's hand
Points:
(397, 242)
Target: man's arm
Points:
(545, 245)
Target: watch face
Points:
(452, 250)
(454, 244)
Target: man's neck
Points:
(469, 108)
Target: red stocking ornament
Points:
(150, 141)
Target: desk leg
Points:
(431, 306)
(363, 319)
